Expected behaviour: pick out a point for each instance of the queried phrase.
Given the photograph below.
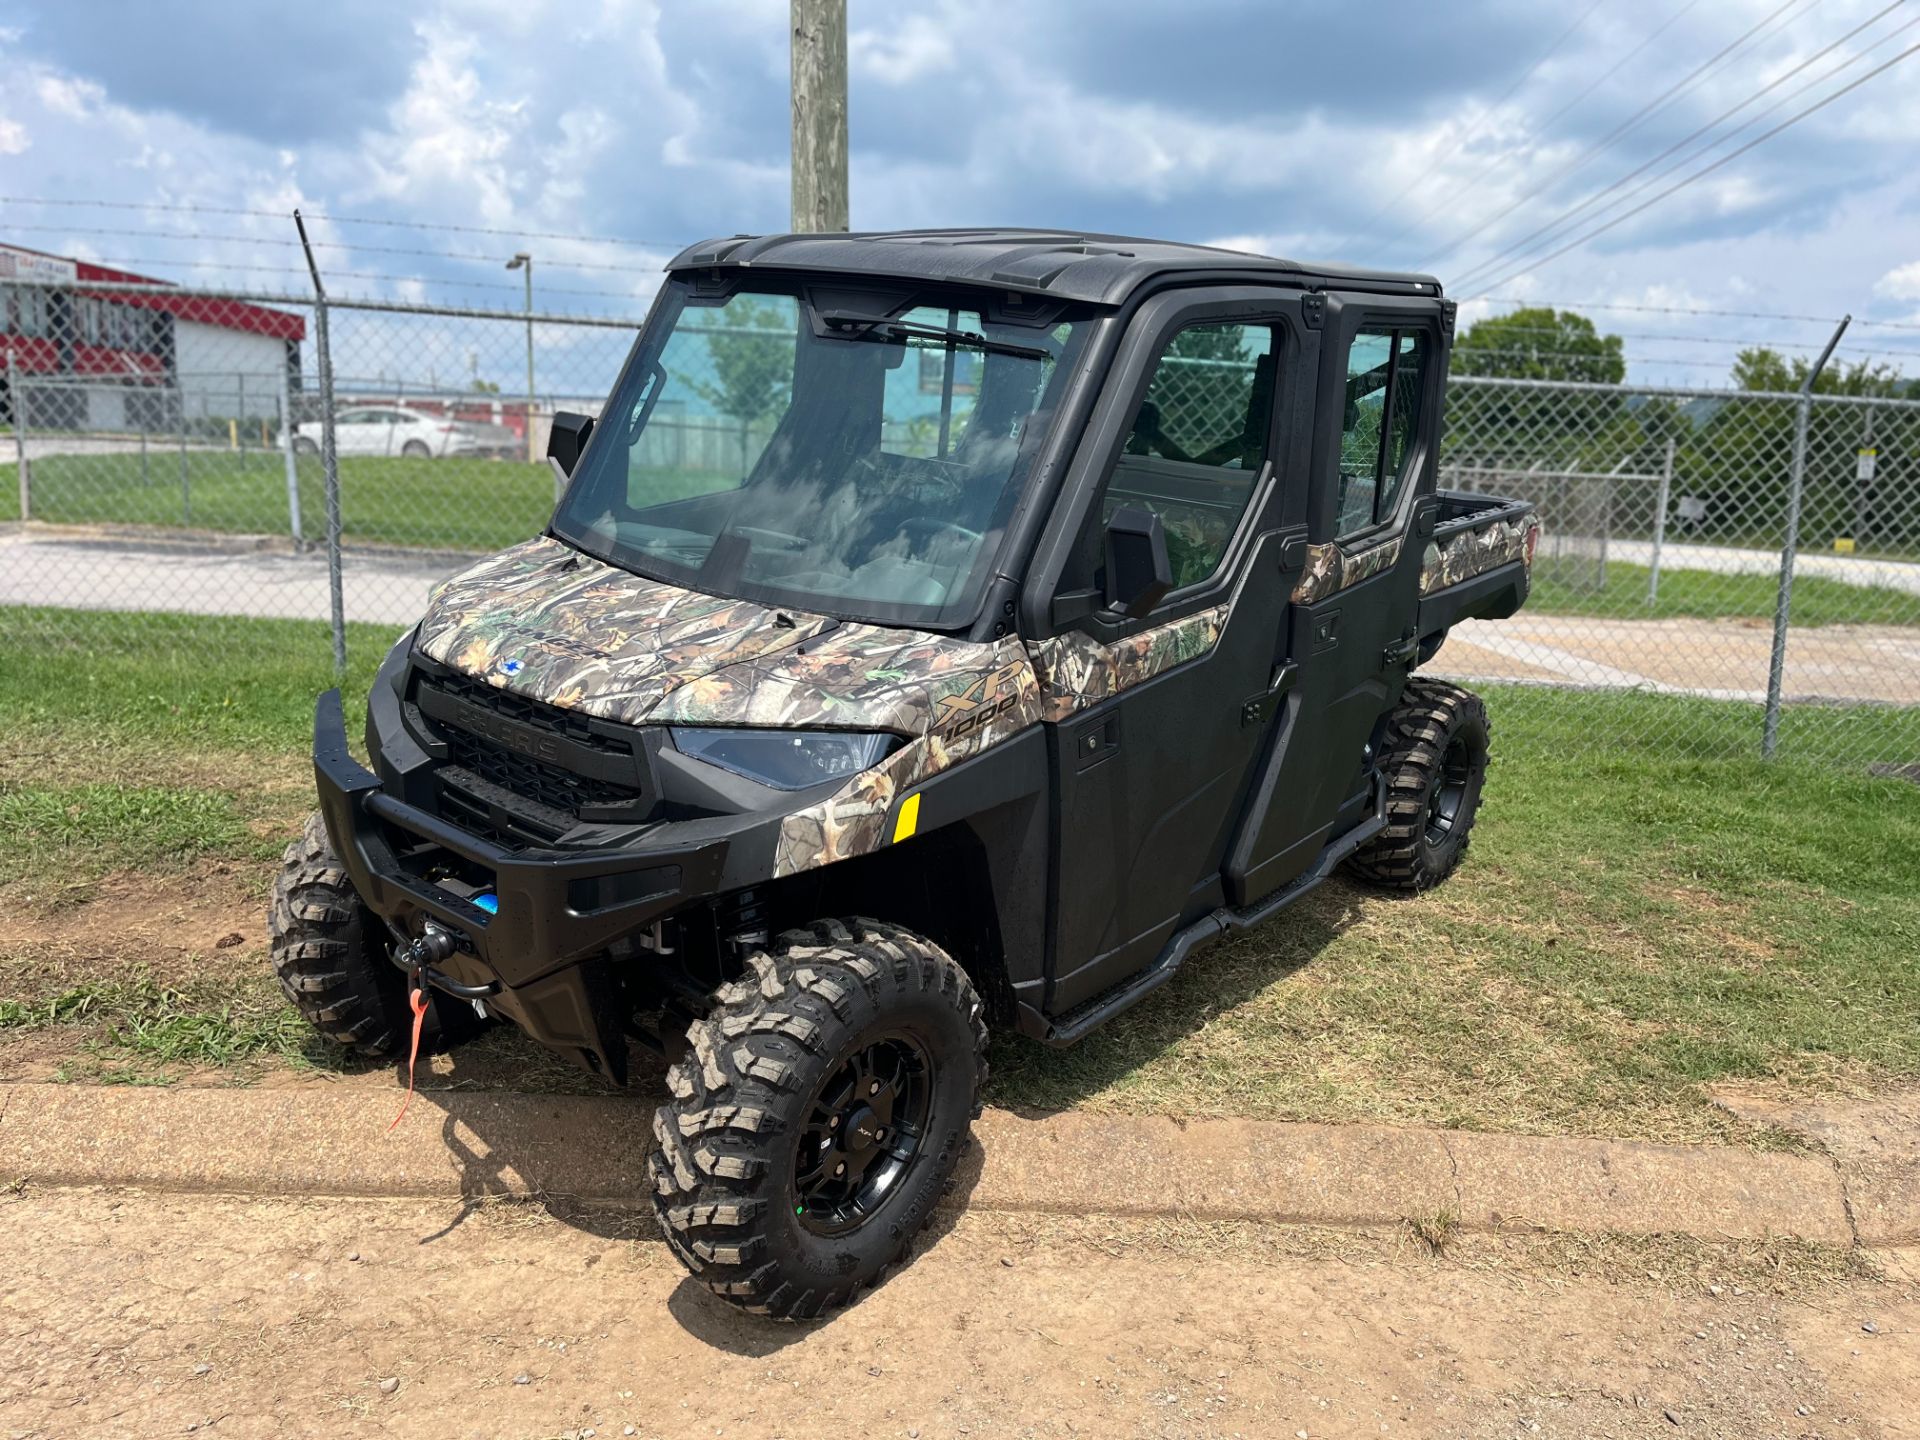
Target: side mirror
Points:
(567, 438)
(1138, 570)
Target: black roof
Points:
(1070, 265)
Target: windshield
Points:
(862, 459)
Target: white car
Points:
(398, 430)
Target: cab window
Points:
(1197, 442)
(1386, 374)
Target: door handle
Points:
(1402, 651)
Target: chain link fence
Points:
(167, 458)
(1753, 557)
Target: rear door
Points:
(1350, 623)
(1151, 732)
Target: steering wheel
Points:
(926, 528)
(760, 535)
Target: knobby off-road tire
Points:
(1435, 762)
(329, 953)
(744, 1186)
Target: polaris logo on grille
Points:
(510, 668)
(523, 739)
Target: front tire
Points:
(819, 1116)
(1435, 762)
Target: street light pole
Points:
(524, 261)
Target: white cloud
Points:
(1902, 283)
(66, 95)
(13, 137)
(913, 48)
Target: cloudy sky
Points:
(1456, 138)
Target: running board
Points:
(1093, 1013)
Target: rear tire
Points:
(304, 447)
(328, 952)
(416, 450)
(1435, 763)
(817, 1121)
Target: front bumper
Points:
(558, 910)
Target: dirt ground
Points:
(131, 1314)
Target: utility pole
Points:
(819, 115)
(524, 261)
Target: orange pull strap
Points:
(417, 1001)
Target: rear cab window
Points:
(1385, 386)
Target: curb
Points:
(457, 1144)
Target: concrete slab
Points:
(464, 1143)
(1876, 1144)
(1716, 1192)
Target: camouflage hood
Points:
(547, 622)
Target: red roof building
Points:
(103, 359)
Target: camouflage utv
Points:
(938, 630)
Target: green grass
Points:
(136, 1024)
(1708, 595)
(453, 504)
(1628, 929)
(1632, 926)
(71, 831)
(177, 680)
(449, 504)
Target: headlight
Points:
(785, 759)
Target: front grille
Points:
(566, 723)
(535, 780)
(484, 775)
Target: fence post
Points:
(329, 455)
(293, 470)
(19, 399)
(186, 485)
(146, 473)
(1783, 603)
(1660, 527)
(1863, 482)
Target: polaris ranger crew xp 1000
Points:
(938, 630)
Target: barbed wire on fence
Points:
(166, 441)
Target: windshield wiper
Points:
(852, 325)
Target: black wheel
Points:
(328, 952)
(819, 1116)
(416, 450)
(303, 446)
(1435, 762)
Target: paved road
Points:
(1725, 560)
(1721, 659)
(208, 579)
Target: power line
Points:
(1522, 245)
(1605, 142)
(1702, 173)
(176, 207)
(1480, 124)
(225, 239)
(1827, 320)
(353, 275)
(1547, 124)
